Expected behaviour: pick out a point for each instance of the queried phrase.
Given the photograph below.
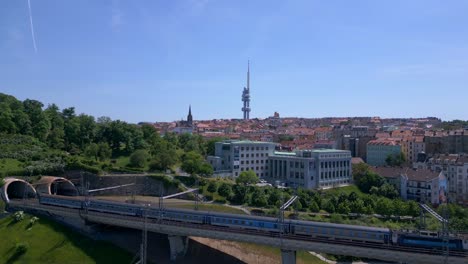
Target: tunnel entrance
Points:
(56, 186)
(18, 189)
(65, 188)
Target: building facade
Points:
(455, 167)
(378, 151)
(311, 169)
(411, 147)
(425, 186)
(421, 185)
(236, 156)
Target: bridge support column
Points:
(178, 246)
(288, 256)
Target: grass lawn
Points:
(49, 242)
(121, 161)
(346, 190)
(10, 165)
(215, 195)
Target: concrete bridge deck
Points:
(288, 243)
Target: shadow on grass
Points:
(14, 257)
(12, 222)
(99, 251)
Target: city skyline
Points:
(148, 61)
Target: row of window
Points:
(256, 155)
(334, 164)
(253, 148)
(252, 161)
(296, 175)
(334, 174)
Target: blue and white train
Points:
(362, 234)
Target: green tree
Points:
(138, 158)
(212, 187)
(205, 169)
(388, 191)
(191, 162)
(384, 207)
(39, 121)
(225, 190)
(297, 205)
(164, 154)
(343, 208)
(104, 151)
(313, 207)
(357, 206)
(71, 129)
(329, 207)
(150, 134)
(247, 177)
(92, 151)
(56, 136)
(259, 198)
(87, 129)
(274, 198)
(6, 119)
(412, 208)
(240, 194)
(367, 181)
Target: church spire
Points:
(189, 116)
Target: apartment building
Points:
(378, 150)
(421, 185)
(455, 166)
(311, 169)
(234, 156)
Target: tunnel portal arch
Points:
(14, 188)
(56, 185)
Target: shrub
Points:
(18, 216)
(138, 158)
(33, 220)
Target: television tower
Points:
(246, 95)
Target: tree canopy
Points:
(247, 177)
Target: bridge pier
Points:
(288, 256)
(178, 246)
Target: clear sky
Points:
(148, 60)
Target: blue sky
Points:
(148, 60)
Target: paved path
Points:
(322, 258)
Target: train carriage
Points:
(341, 232)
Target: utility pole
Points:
(144, 237)
(196, 194)
(446, 233)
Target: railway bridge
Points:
(178, 233)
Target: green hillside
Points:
(48, 242)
